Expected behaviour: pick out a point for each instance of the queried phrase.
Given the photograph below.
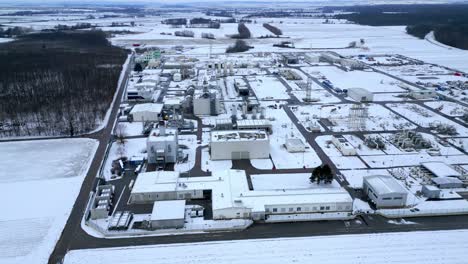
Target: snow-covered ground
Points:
(375, 82)
(131, 147)
(409, 247)
(39, 181)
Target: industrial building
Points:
(241, 87)
(146, 112)
(162, 145)
(256, 124)
(206, 103)
(384, 191)
(312, 57)
(343, 146)
(235, 145)
(440, 169)
(231, 197)
(360, 95)
(168, 214)
(294, 145)
(352, 64)
(102, 202)
(431, 192)
(329, 57)
(422, 94)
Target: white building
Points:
(343, 146)
(385, 191)
(329, 57)
(360, 95)
(248, 144)
(422, 94)
(168, 214)
(102, 202)
(241, 87)
(162, 145)
(146, 112)
(312, 57)
(206, 103)
(256, 124)
(295, 145)
(231, 197)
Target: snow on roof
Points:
(172, 101)
(234, 135)
(359, 90)
(446, 180)
(253, 123)
(156, 181)
(230, 189)
(156, 135)
(383, 184)
(295, 142)
(149, 107)
(440, 169)
(167, 210)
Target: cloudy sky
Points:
(331, 2)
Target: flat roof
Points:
(156, 136)
(155, 181)
(253, 123)
(446, 180)
(382, 184)
(167, 210)
(234, 135)
(148, 107)
(440, 169)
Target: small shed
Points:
(168, 214)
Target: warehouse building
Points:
(162, 145)
(235, 145)
(232, 199)
(447, 182)
(384, 191)
(168, 214)
(146, 112)
(360, 95)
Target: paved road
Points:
(104, 137)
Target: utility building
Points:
(168, 214)
(162, 145)
(385, 191)
(235, 145)
(360, 95)
(206, 103)
(146, 112)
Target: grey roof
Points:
(383, 184)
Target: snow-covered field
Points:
(39, 181)
(374, 81)
(409, 247)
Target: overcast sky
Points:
(218, 1)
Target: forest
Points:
(57, 83)
(448, 21)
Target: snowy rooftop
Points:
(167, 210)
(149, 107)
(157, 135)
(233, 135)
(253, 122)
(440, 169)
(382, 184)
(230, 189)
(156, 181)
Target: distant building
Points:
(360, 95)
(206, 103)
(235, 145)
(162, 145)
(385, 191)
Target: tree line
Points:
(57, 84)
